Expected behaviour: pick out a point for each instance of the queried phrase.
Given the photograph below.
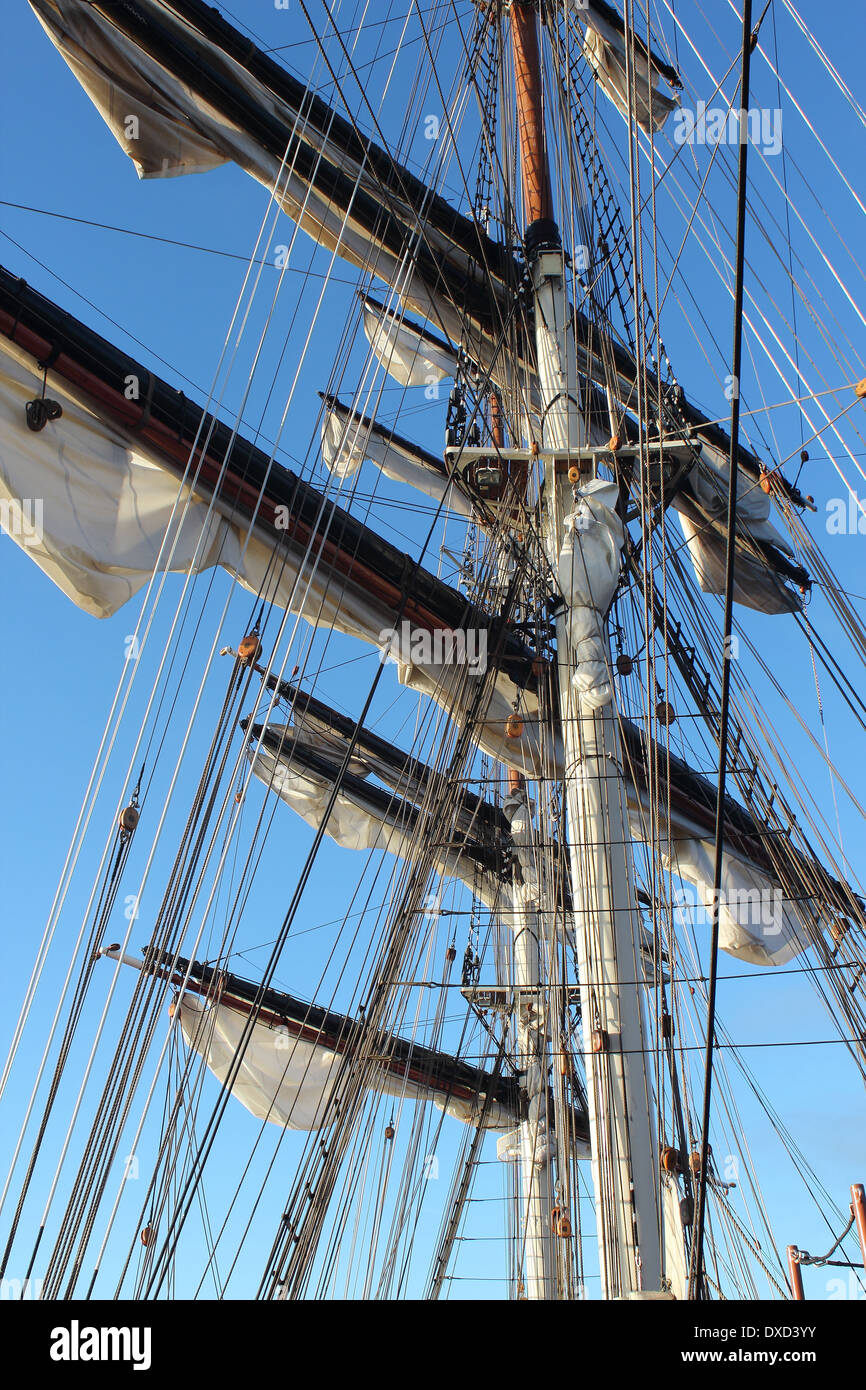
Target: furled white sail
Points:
(114, 74)
(97, 503)
(711, 481)
(167, 128)
(105, 501)
(90, 504)
(758, 923)
(347, 441)
(589, 570)
(604, 49)
(288, 1080)
(354, 824)
(408, 355)
(755, 583)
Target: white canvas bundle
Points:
(755, 584)
(604, 50)
(109, 511)
(407, 355)
(174, 131)
(288, 1080)
(589, 569)
(711, 480)
(346, 442)
(757, 923)
(354, 824)
(97, 502)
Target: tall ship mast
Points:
(457, 779)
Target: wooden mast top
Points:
(535, 173)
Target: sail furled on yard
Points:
(411, 355)
(109, 507)
(289, 1079)
(764, 913)
(702, 513)
(101, 501)
(112, 508)
(183, 91)
(606, 48)
(348, 438)
(761, 920)
(365, 817)
(100, 537)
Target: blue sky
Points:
(170, 305)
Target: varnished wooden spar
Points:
(534, 171)
(797, 1258)
(795, 1275)
(483, 846)
(403, 774)
(858, 1208)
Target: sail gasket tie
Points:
(42, 409)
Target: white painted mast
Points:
(532, 1144)
(606, 921)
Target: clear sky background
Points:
(156, 267)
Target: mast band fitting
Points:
(541, 235)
